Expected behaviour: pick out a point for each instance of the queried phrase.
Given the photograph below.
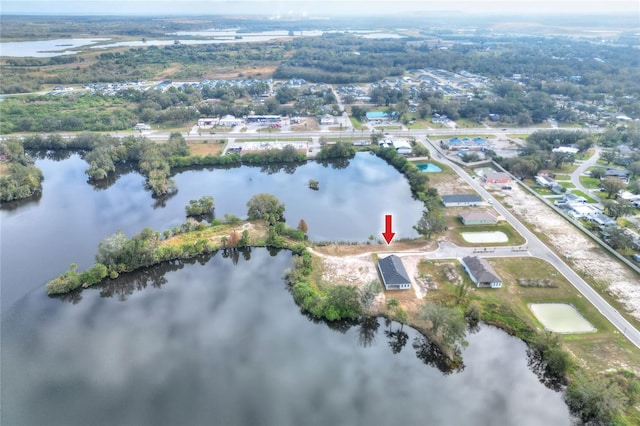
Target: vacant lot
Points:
(586, 257)
(204, 149)
(603, 349)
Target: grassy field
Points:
(568, 185)
(589, 182)
(586, 196)
(599, 351)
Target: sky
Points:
(319, 8)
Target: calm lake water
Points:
(72, 216)
(219, 340)
(221, 343)
(45, 48)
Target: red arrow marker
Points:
(388, 234)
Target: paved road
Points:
(575, 176)
(538, 249)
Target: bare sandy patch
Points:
(205, 149)
(586, 256)
(485, 237)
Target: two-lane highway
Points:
(539, 249)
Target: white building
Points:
(230, 121)
(402, 146)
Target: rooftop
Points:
(461, 198)
(393, 271)
(481, 270)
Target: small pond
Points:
(428, 168)
(561, 318)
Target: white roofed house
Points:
(480, 272)
(402, 146)
(327, 119)
(230, 121)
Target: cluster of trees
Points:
(200, 207)
(194, 62)
(446, 324)
(337, 150)
(330, 302)
(265, 207)
(21, 178)
(73, 112)
(417, 180)
(538, 152)
(601, 399)
(104, 152)
(288, 154)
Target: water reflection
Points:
(207, 341)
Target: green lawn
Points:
(582, 194)
(600, 350)
(568, 185)
(563, 177)
(589, 182)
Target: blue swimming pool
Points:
(428, 168)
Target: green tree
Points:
(608, 156)
(557, 361)
(431, 222)
(200, 207)
(265, 207)
(634, 168)
(447, 324)
(612, 185)
(314, 184)
(617, 209)
(368, 295)
(618, 238)
(342, 302)
(597, 173)
(596, 399)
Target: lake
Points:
(219, 340)
(215, 342)
(72, 216)
(45, 48)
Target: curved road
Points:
(538, 249)
(575, 176)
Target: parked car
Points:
(636, 257)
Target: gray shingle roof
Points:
(393, 271)
(461, 198)
(481, 269)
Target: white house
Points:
(566, 149)
(402, 146)
(230, 121)
(480, 272)
(326, 120)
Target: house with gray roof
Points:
(461, 200)
(394, 276)
(480, 272)
(478, 218)
(617, 173)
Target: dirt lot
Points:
(355, 265)
(586, 256)
(205, 149)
